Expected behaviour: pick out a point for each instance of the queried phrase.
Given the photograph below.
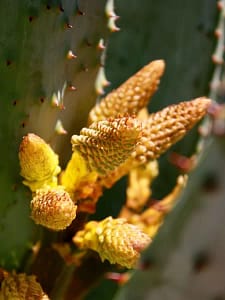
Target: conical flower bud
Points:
(114, 239)
(107, 144)
(21, 287)
(53, 208)
(160, 131)
(132, 95)
(166, 127)
(38, 162)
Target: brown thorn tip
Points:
(72, 88)
(220, 5)
(69, 26)
(217, 60)
(71, 55)
(218, 32)
(101, 45)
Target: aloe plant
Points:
(186, 259)
(51, 60)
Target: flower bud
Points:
(21, 287)
(107, 144)
(53, 208)
(132, 95)
(38, 162)
(114, 240)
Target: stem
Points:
(89, 273)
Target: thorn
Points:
(42, 99)
(48, 6)
(71, 87)
(54, 101)
(112, 25)
(218, 32)
(109, 9)
(36, 247)
(61, 8)
(66, 24)
(69, 26)
(31, 18)
(59, 129)
(120, 278)
(101, 45)
(101, 81)
(15, 102)
(217, 60)
(71, 55)
(220, 5)
(111, 14)
(62, 106)
(78, 11)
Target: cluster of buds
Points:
(119, 140)
(51, 205)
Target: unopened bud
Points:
(53, 208)
(38, 162)
(21, 287)
(114, 240)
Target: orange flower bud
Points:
(132, 95)
(160, 131)
(164, 128)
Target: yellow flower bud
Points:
(53, 208)
(38, 162)
(107, 144)
(160, 131)
(132, 95)
(21, 287)
(114, 240)
(140, 180)
(150, 220)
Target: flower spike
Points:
(114, 240)
(160, 131)
(132, 95)
(166, 127)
